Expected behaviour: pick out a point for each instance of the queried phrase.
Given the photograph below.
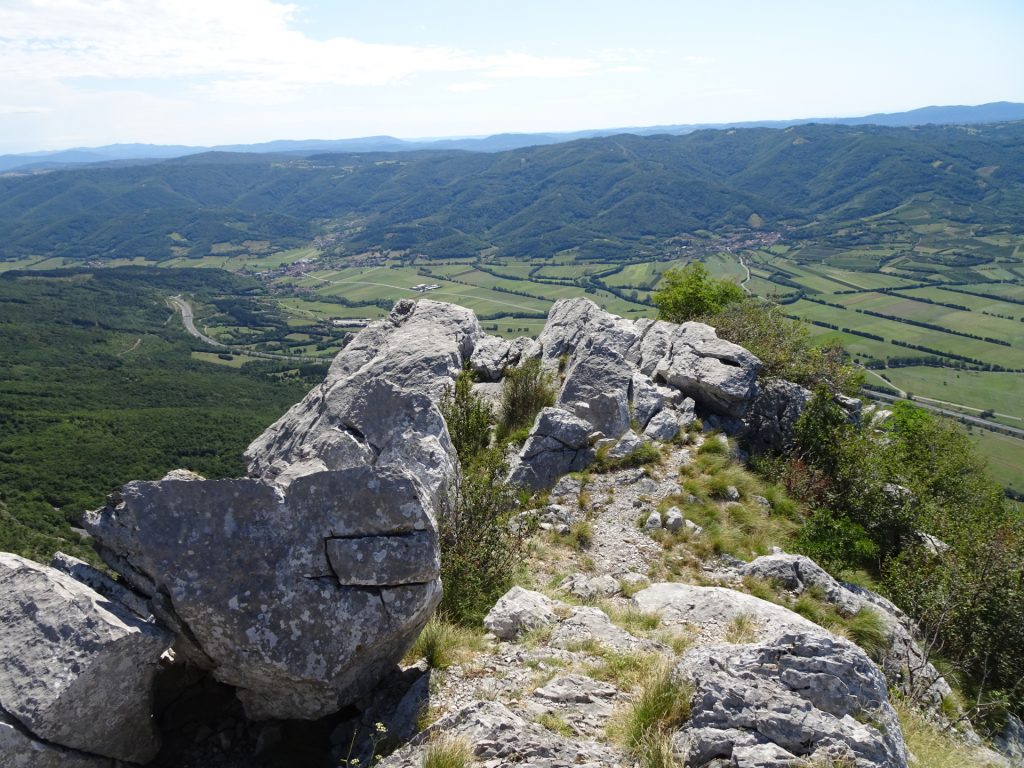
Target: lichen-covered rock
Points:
(76, 669)
(559, 443)
(19, 750)
(258, 579)
(797, 697)
(519, 611)
(798, 573)
(904, 662)
(627, 445)
(663, 426)
(586, 624)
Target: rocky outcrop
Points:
(494, 735)
(377, 405)
(799, 696)
(713, 609)
(76, 669)
(251, 578)
(302, 584)
(904, 662)
(493, 354)
(625, 377)
(773, 413)
(559, 443)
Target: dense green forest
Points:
(99, 387)
(611, 197)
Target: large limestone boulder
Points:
(76, 669)
(773, 413)
(377, 404)
(798, 697)
(302, 584)
(302, 597)
(712, 610)
(559, 443)
(717, 374)
(597, 389)
(904, 662)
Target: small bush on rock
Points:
(524, 392)
(480, 551)
(448, 753)
(468, 416)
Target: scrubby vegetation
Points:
(525, 391)
(480, 552)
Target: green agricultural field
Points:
(1005, 456)
(646, 273)
(1003, 392)
(953, 319)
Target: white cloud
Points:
(469, 87)
(248, 41)
(15, 109)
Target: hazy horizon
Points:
(75, 73)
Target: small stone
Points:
(519, 611)
(674, 519)
(653, 521)
(732, 493)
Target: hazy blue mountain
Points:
(1000, 111)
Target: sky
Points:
(203, 72)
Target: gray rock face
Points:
(1010, 741)
(519, 611)
(597, 389)
(773, 414)
(798, 573)
(19, 750)
(493, 354)
(496, 736)
(689, 358)
(75, 668)
(663, 426)
(302, 584)
(711, 609)
(904, 663)
(265, 585)
(799, 696)
(717, 374)
(674, 519)
(559, 443)
(627, 445)
(377, 404)
(589, 588)
(586, 624)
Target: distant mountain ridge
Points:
(1000, 111)
(607, 197)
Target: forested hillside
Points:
(610, 197)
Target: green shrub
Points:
(480, 551)
(468, 416)
(690, 293)
(525, 391)
(784, 346)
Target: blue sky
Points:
(92, 72)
